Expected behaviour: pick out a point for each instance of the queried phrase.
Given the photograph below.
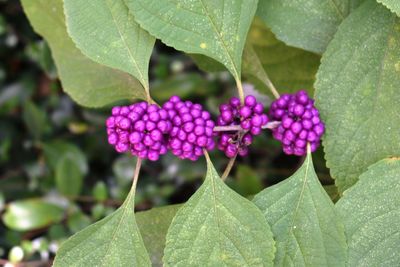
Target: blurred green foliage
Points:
(57, 172)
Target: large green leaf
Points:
(371, 211)
(30, 214)
(88, 83)
(307, 24)
(393, 5)
(106, 32)
(215, 28)
(357, 92)
(112, 241)
(153, 225)
(306, 227)
(218, 227)
(69, 176)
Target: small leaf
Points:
(112, 241)
(30, 214)
(87, 82)
(370, 211)
(77, 221)
(107, 33)
(307, 24)
(35, 119)
(393, 5)
(305, 225)
(100, 192)
(54, 151)
(248, 182)
(153, 225)
(218, 227)
(215, 28)
(68, 176)
(357, 93)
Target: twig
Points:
(234, 128)
(228, 168)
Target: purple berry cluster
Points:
(300, 123)
(249, 116)
(147, 130)
(139, 128)
(192, 128)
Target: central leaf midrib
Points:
(224, 46)
(335, 6)
(136, 66)
(125, 209)
(297, 208)
(218, 220)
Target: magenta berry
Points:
(300, 123)
(140, 128)
(192, 129)
(250, 116)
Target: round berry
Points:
(139, 128)
(191, 128)
(300, 123)
(251, 119)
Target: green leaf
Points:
(106, 32)
(307, 24)
(289, 69)
(357, 93)
(218, 227)
(215, 28)
(112, 241)
(35, 120)
(247, 181)
(370, 211)
(153, 225)
(393, 5)
(207, 64)
(188, 85)
(87, 82)
(77, 221)
(68, 176)
(100, 192)
(306, 227)
(30, 214)
(54, 151)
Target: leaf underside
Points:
(357, 93)
(305, 225)
(393, 5)
(307, 24)
(215, 28)
(106, 32)
(87, 82)
(218, 227)
(371, 211)
(112, 241)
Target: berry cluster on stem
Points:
(249, 116)
(187, 130)
(300, 123)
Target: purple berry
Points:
(249, 116)
(300, 123)
(139, 128)
(191, 128)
